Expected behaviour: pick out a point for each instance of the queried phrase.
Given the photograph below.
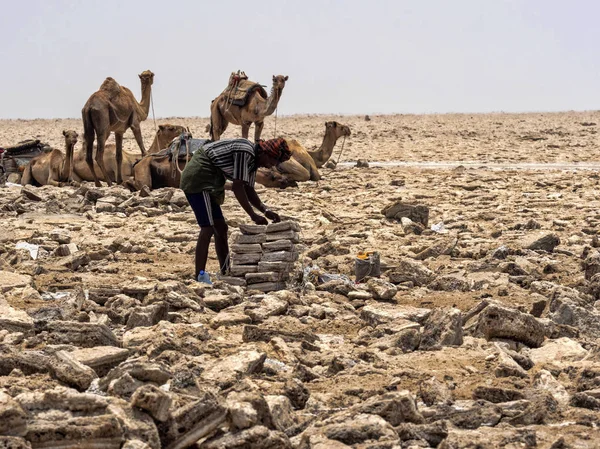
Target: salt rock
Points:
(381, 289)
(560, 350)
(375, 314)
(416, 213)
(408, 270)
(62, 236)
(282, 412)
(6, 441)
(14, 320)
(13, 419)
(135, 444)
(10, 280)
(229, 318)
(395, 407)
(70, 371)
(153, 400)
(229, 369)
(101, 358)
(257, 437)
(500, 322)
(544, 380)
(442, 328)
(361, 428)
(541, 241)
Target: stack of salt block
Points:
(262, 256)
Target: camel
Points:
(155, 171)
(256, 108)
(82, 172)
(303, 165)
(164, 136)
(113, 108)
(52, 168)
(158, 170)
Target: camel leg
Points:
(52, 181)
(88, 137)
(27, 177)
(137, 133)
(294, 170)
(142, 174)
(258, 127)
(119, 156)
(246, 129)
(218, 122)
(101, 140)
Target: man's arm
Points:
(256, 202)
(240, 191)
(254, 199)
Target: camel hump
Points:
(239, 93)
(110, 86)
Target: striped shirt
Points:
(235, 158)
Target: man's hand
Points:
(274, 217)
(259, 219)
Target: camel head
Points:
(147, 78)
(279, 82)
(169, 132)
(165, 134)
(70, 138)
(271, 177)
(337, 129)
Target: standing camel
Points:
(114, 108)
(256, 108)
(52, 168)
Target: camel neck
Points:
(145, 102)
(155, 147)
(273, 100)
(325, 151)
(67, 163)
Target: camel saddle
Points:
(178, 147)
(239, 92)
(16, 157)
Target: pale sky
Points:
(341, 56)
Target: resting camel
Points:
(114, 108)
(158, 170)
(82, 172)
(155, 171)
(303, 165)
(51, 168)
(257, 107)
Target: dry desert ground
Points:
(482, 332)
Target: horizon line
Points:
(343, 114)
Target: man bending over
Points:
(203, 182)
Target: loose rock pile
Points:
(483, 335)
(262, 257)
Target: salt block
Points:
(242, 270)
(279, 256)
(251, 248)
(267, 286)
(257, 278)
(283, 226)
(247, 239)
(231, 280)
(278, 245)
(264, 266)
(249, 229)
(284, 235)
(244, 259)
